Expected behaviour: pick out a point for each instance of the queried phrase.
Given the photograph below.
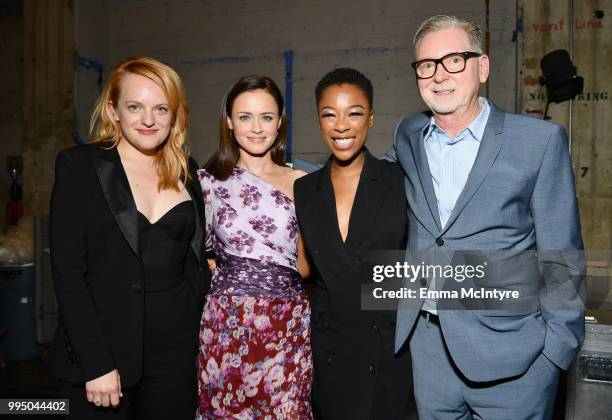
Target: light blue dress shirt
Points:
(451, 159)
(450, 162)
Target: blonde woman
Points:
(125, 227)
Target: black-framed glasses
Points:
(452, 63)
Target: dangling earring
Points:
(231, 133)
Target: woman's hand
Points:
(105, 390)
(212, 264)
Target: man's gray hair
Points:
(439, 22)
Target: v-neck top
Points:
(359, 192)
(349, 341)
(378, 222)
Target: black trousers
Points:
(167, 390)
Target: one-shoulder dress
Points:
(255, 359)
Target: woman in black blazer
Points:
(126, 233)
(354, 204)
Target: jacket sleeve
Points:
(205, 182)
(85, 337)
(560, 252)
(390, 154)
(203, 284)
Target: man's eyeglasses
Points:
(452, 63)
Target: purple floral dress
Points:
(255, 359)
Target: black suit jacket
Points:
(97, 271)
(356, 373)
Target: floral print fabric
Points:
(255, 360)
(247, 217)
(238, 276)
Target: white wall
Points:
(212, 43)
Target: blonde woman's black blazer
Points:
(97, 271)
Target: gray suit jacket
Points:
(519, 197)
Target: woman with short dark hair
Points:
(353, 205)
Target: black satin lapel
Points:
(327, 201)
(487, 153)
(417, 144)
(369, 198)
(358, 214)
(117, 192)
(198, 206)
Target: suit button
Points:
(357, 262)
(316, 251)
(439, 241)
(325, 324)
(136, 288)
(375, 329)
(372, 369)
(329, 360)
(423, 282)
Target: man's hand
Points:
(105, 390)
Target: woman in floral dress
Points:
(255, 358)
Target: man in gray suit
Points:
(481, 179)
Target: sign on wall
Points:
(585, 28)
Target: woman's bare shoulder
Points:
(296, 173)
